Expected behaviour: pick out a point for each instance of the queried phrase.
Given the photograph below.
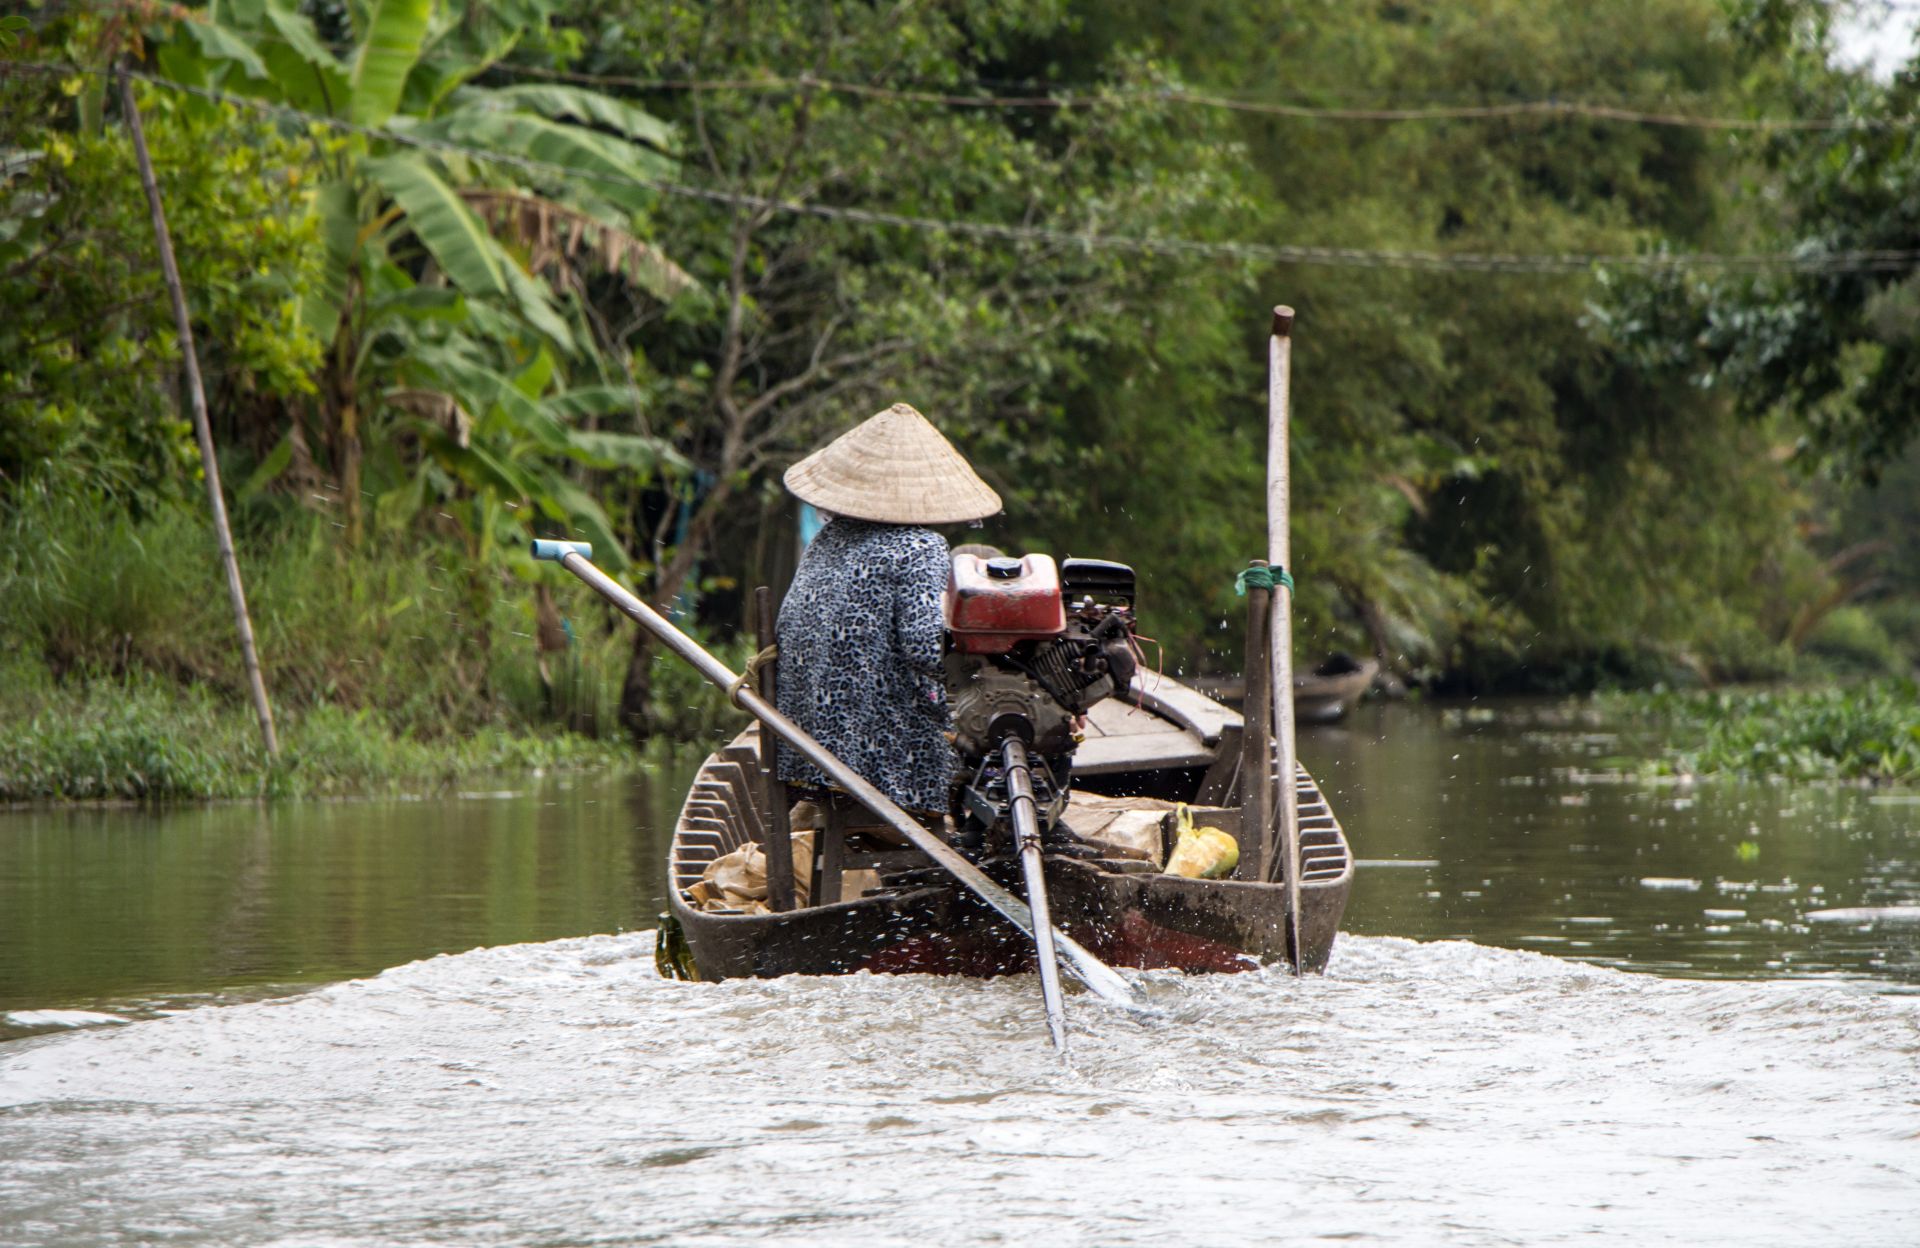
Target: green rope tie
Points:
(1261, 578)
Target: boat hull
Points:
(1323, 698)
(1126, 913)
(1142, 921)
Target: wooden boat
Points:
(1041, 661)
(1165, 743)
(1329, 691)
(1322, 696)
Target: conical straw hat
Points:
(895, 468)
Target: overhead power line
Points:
(1059, 97)
(1042, 95)
(1274, 253)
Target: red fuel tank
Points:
(993, 603)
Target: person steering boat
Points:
(862, 629)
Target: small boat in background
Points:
(1322, 696)
(1329, 691)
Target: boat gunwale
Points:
(724, 808)
(726, 825)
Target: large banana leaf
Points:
(564, 103)
(535, 301)
(503, 410)
(464, 40)
(218, 43)
(305, 73)
(457, 238)
(515, 413)
(337, 212)
(422, 303)
(387, 55)
(613, 167)
(621, 450)
(590, 521)
(581, 401)
(480, 467)
(296, 31)
(532, 482)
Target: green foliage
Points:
(1029, 352)
(1838, 352)
(1863, 732)
(133, 743)
(92, 588)
(1851, 641)
(694, 708)
(88, 357)
(1899, 618)
(1882, 522)
(477, 317)
(391, 632)
(1481, 484)
(463, 399)
(145, 740)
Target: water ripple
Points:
(561, 1093)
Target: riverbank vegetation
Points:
(466, 272)
(1867, 732)
(141, 739)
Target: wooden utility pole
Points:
(196, 394)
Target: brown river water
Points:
(1564, 1009)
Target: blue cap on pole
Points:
(548, 548)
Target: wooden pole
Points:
(1256, 736)
(1280, 557)
(202, 428)
(778, 843)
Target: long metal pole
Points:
(1102, 980)
(1026, 839)
(202, 428)
(1280, 557)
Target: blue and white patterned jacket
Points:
(861, 633)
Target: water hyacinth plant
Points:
(1868, 732)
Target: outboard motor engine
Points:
(1031, 648)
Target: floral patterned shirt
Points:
(861, 634)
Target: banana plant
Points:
(410, 223)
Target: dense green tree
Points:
(824, 314)
(1837, 350)
(1483, 483)
(468, 270)
(88, 359)
(385, 262)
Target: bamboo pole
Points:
(1256, 735)
(1280, 557)
(202, 428)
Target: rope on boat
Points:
(1261, 578)
(750, 676)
